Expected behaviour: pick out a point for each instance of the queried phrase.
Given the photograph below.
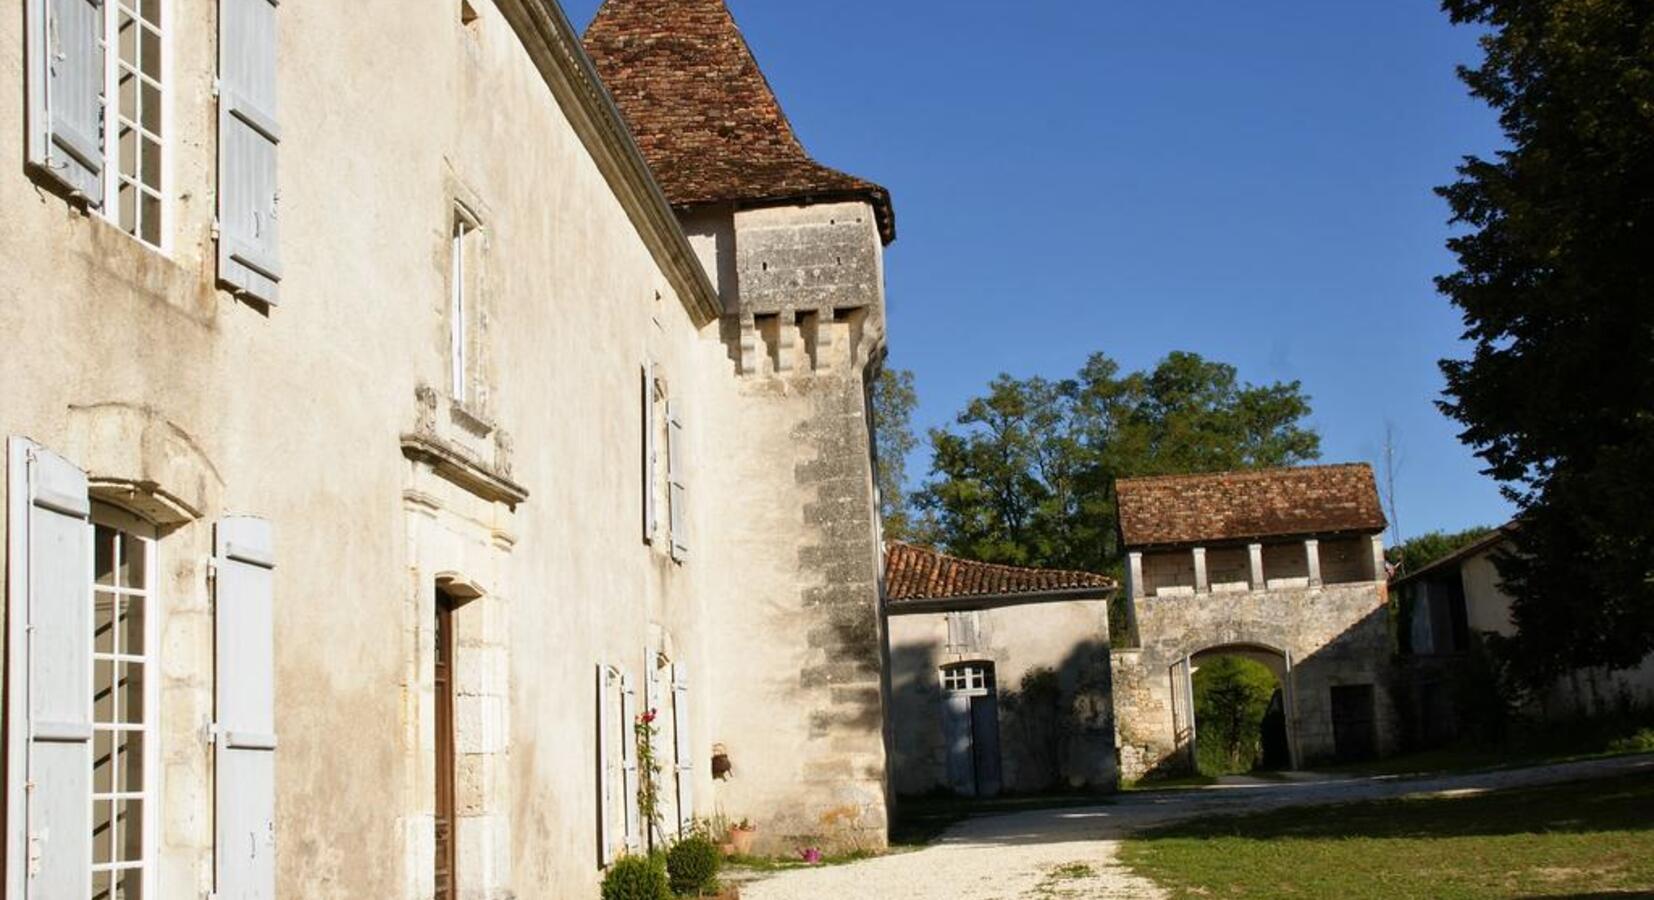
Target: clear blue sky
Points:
(1249, 181)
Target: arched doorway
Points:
(1233, 709)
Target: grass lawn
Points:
(1591, 837)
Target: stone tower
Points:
(795, 250)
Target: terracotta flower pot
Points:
(741, 839)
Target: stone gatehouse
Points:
(1282, 566)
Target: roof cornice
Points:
(555, 48)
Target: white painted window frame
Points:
(113, 176)
(464, 229)
(972, 679)
(152, 793)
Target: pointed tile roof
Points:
(1173, 510)
(703, 113)
(918, 573)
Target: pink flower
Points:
(811, 855)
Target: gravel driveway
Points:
(1070, 853)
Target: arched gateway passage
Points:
(1269, 716)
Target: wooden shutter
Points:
(628, 760)
(249, 257)
(676, 500)
(683, 756)
(244, 756)
(65, 91)
(49, 777)
(651, 456)
(608, 763)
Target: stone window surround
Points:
(1257, 575)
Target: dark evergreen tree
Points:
(1556, 284)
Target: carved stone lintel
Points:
(427, 401)
(503, 447)
(459, 467)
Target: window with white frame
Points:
(123, 705)
(462, 305)
(968, 678)
(134, 118)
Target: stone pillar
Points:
(1134, 575)
(1380, 572)
(1254, 555)
(1312, 552)
(1203, 584)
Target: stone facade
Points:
(1046, 740)
(330, 415)
(1288, 570)
(1313, 638)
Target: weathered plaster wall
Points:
(1335, 635)
(130, 363)
(795, 560)
(1069, 638)
(1582, 692)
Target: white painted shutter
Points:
(684, 755)
(651, 456)
(608, 763)
(677, 502)
(49, 777)
(628, 760)
(65, 89)
(249, 257)
(244, 756)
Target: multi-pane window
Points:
(134, 115)
(123, 571)
(968, 678)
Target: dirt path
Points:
(1070, 853)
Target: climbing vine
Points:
(648, 770)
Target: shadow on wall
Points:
(1056, 723)
(1342, 707)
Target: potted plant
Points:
(741, 835)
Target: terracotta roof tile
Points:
(702, 112)
(917, 573)
(1232, 506)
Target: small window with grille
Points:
(968, 678)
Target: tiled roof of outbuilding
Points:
(1232, 506)
(918, 573)
(702, 112)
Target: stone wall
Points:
(1330, 636)
(1068, 638)
(799, 661)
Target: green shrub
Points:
(637, 878)
(1641, 742)
(692, 865)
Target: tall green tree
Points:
(1417, 552)
(1026, 474)
(1556, 283)
(894, 399)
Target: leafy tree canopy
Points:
(1555, 281)
(1415, 553)
(894, 398)
(1026, 474)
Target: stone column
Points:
(1312, 552)
(1203, 584)
(1254, 559)
(1380, 572)
(1134, 575)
